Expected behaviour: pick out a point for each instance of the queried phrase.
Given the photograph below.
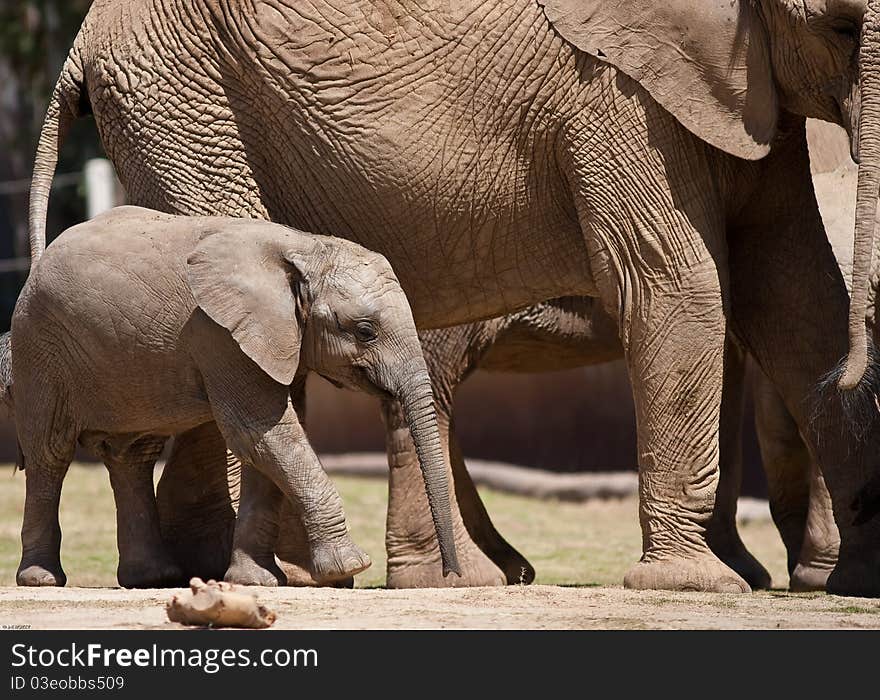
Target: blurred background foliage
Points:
(35, 36)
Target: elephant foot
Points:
(338, 562)
(855, 578)
(733, 552)
(205, 557)
(300, 577)
(150, 574)
(424, 569)
(516, 568)
(806, 578)
(246, 571)
(40, 575)
(698, 573)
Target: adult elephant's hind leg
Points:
(515, 566)
(787, 466)
(821, 545)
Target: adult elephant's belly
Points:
(389, 140)
(467, 241)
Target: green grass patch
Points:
(570, 544)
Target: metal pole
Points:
(100, 186)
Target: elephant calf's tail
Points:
(69, 101)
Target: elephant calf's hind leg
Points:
(144, 562)
(44, 471)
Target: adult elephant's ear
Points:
(250, 278)
(705, 61)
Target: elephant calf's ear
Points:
(241, 280)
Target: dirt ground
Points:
(513, 607)
(580, 552)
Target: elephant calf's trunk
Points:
(417, 402)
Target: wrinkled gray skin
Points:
(137, 326)
(563, 334)
(574, 332)
(502, 154)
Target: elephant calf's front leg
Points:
(252, 562)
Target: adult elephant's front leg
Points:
(659, 261)
(675, 349)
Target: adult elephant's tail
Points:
(69, 101)
(868, 148)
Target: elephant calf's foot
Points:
(702, 572)
(40, 574)
(299, 577)
(335, 562)
(425, 570)
(246, 571)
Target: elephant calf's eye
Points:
(364, 331)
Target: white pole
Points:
(100, 186)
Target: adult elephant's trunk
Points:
(868, 147)
(417, 401)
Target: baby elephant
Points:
(137, 326)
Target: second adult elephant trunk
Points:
(868, 147)
(417, 401)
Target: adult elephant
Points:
(576, 332)
(520, 151)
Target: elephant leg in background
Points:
(292, 545)
(515, 566)
(413, 555)
(410, 539)
(252, 562)
(196, 507)
(821, 546)
(144, 561)
(722, 534)
(786, 463)
(796, 270)
(799, 500)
